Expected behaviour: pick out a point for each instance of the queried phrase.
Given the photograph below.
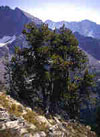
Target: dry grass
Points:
(17, 110)
(30, 116)
(12, 108)
(8, 133)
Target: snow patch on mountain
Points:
(7, 40)
(90, 34)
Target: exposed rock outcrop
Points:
(17, 120)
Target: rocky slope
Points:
(20, 121)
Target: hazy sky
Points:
(57, 10)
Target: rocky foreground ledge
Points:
(17, 120)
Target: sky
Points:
(59, 10)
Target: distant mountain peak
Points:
(49, 20)
(88, 21)
(12, 21)
(17, 8)
(4, 7)
(85, 27)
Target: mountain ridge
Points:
(12, 21)
(84, 27)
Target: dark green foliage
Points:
(2, 86)
(98, 121)
(51, 71)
